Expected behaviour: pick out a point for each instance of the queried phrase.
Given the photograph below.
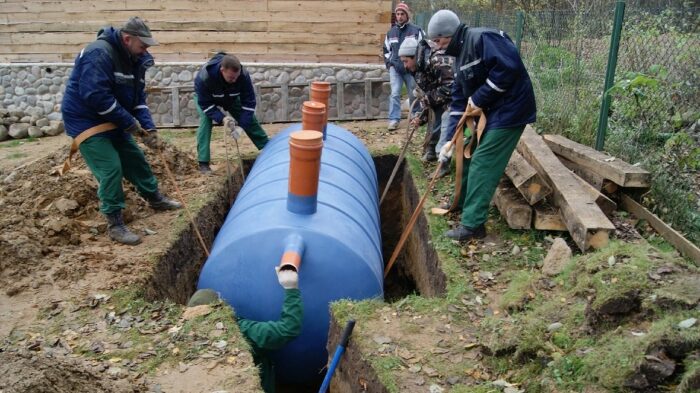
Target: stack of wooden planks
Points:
(553, 183)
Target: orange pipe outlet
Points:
(321, 92)
(304, 167)
(313, 115)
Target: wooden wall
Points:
(344, 31)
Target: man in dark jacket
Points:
(266, 337)
(397, 73)
(223, 82)
(432, 70)
(105, 101)
(491, 78)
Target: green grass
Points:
(520, 286)
(16, 155)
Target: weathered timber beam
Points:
(526, 179)
(517, 213)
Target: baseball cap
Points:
(137, 27)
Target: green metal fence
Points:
(654, 115)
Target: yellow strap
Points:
(100, 128)
(460, 149)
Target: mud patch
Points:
(29, 373)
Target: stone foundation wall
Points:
(37, 90)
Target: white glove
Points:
(287, 278)
(474, 107)
(236, 132)
(446, 152)
(417, 93)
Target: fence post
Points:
(610, 74)
(519, 23)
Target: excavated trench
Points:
(416, 271)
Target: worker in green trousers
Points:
(266, 337)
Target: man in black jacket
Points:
(397, 73)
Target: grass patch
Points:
(520, 290)
(16, 155)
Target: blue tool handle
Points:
(338, 354)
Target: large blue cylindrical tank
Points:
(342, 240)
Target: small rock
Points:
(415, 368)
(19, 130)
(516, 250)
(65, 205)
(611, 261)
(196, 311)
(557, 257)
(381, 339)
(220, 326)
(687, 323)
(554, 327)
(435, 389)
(221, 344)
(453, 380)
(183, 367)
(511, 389)
(149, 232)
(486, 276)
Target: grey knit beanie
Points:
(408, 47)
(443, 24)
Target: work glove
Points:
(288, 278)
(150, 139)
(231, 125)
(415, 122)
(446, 152)
(135, 129)
(473, 107)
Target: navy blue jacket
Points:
(393, 41)
(489, 69)
(107, 85)
(213, 91)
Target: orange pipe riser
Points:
(305, 149)
(313, 115)
(293, 251)
(321, 92)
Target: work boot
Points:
(429, 155)
(119, 232)
(204, 168)
(160, 202)
(463, 233)
(444, 169)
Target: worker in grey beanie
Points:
(408, 47)
(490, 79)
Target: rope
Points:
(409, 135)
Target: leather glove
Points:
(474, 107)
(446, 152)
(135, 129)
(288, 278)
(150, 139)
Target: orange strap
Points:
(466, 151)
(98, 129)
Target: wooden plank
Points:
(607, 205)
(92, 27)
(587, 224)
(526, 179)
(683, 245)
(594, 179)
(335, 6)
(514, 209)
(620, 172)
(547, 218)
(379, 28)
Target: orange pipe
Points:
(313, 116)
(293, 250)
(321, 92)
(304, 167)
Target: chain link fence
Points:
(654, 119)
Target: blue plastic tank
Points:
(342, 256)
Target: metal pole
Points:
(519, 23)
(610, 75)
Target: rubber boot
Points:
(119, 232)
(159, 201)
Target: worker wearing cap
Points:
(490, 78)
(266, 337)
(223, 82)
(398, 76)
(432, 70)
(105, 102)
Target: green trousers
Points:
(110, 160)
(254, 130)
(482, 172)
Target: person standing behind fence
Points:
(397, 73)
(223, 82)
(490, 78)
(432, 70)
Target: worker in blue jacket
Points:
(491, 78)
(223, 82)
(103, 107)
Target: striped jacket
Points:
(489, 69)
(107, 85)
(393, 41)
(213, 92)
